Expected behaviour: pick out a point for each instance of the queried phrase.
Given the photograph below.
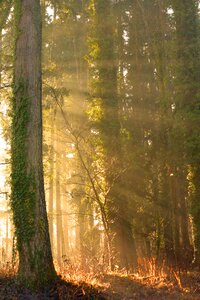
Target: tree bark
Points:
(58, 205)
(28, 198)
(51, 187)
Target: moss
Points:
(35, 266)
(38, 282)
(23, 196)
(22, 181)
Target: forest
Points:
(100, 149)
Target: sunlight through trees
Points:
(102, 98)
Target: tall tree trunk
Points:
(167, 215)
(196, 210)
(105, 98)
(28, 198)
(186, 247)
(187, 97)
(51, 187)
(58, 204)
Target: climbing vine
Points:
(23, 183)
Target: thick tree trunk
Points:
(28, 199)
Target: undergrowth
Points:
(149, 277)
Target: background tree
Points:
(187, 97)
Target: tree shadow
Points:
(59, 290)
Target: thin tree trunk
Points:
(51, 188)
(186, 247)
(58, 205)
(167, 216)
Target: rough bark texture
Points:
(28, 199)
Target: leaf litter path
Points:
(110, 287)
(132, 288)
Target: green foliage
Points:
(23, 197)
(104, 99)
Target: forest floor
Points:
(111, 286)
(132, 287)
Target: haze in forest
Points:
(117, 136)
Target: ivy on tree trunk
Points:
(28, 198)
